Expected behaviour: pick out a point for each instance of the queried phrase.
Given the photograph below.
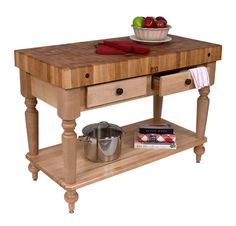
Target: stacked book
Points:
(155, 137)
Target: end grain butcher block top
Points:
(75, 65)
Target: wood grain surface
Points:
(76, 65)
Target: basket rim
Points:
(150, 29)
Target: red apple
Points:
(160, 24)
(161, 18)
(149, 22)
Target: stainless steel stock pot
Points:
(102, 141)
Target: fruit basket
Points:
(151, 28)
(151, 34)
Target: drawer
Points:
(178, 82)
(116, 91)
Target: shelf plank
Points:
(50, 159)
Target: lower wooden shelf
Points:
(50, 160)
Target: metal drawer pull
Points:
(119, 91)
(188, 81)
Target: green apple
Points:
(138, 21)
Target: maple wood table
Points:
(73, 78)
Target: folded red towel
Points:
(125, 46)
(136, 48)
(108, 50)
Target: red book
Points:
(156, 138)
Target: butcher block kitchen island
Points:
(73, 78)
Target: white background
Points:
(172, 191)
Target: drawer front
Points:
(178, 82)
(116, 91)
(175, 83)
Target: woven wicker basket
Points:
(151, 34)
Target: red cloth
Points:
(103, 49)
(121, 47)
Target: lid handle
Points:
(102, 125)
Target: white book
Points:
(143, 145)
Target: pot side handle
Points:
(84, 139)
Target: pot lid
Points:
(101, 125)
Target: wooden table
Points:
(73, 78)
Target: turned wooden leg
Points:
(31, 118)
(34, 171)
(71, 197)
(157, 107)
(202, 112)
(68, 109)
(69, 147)
(199, 151)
